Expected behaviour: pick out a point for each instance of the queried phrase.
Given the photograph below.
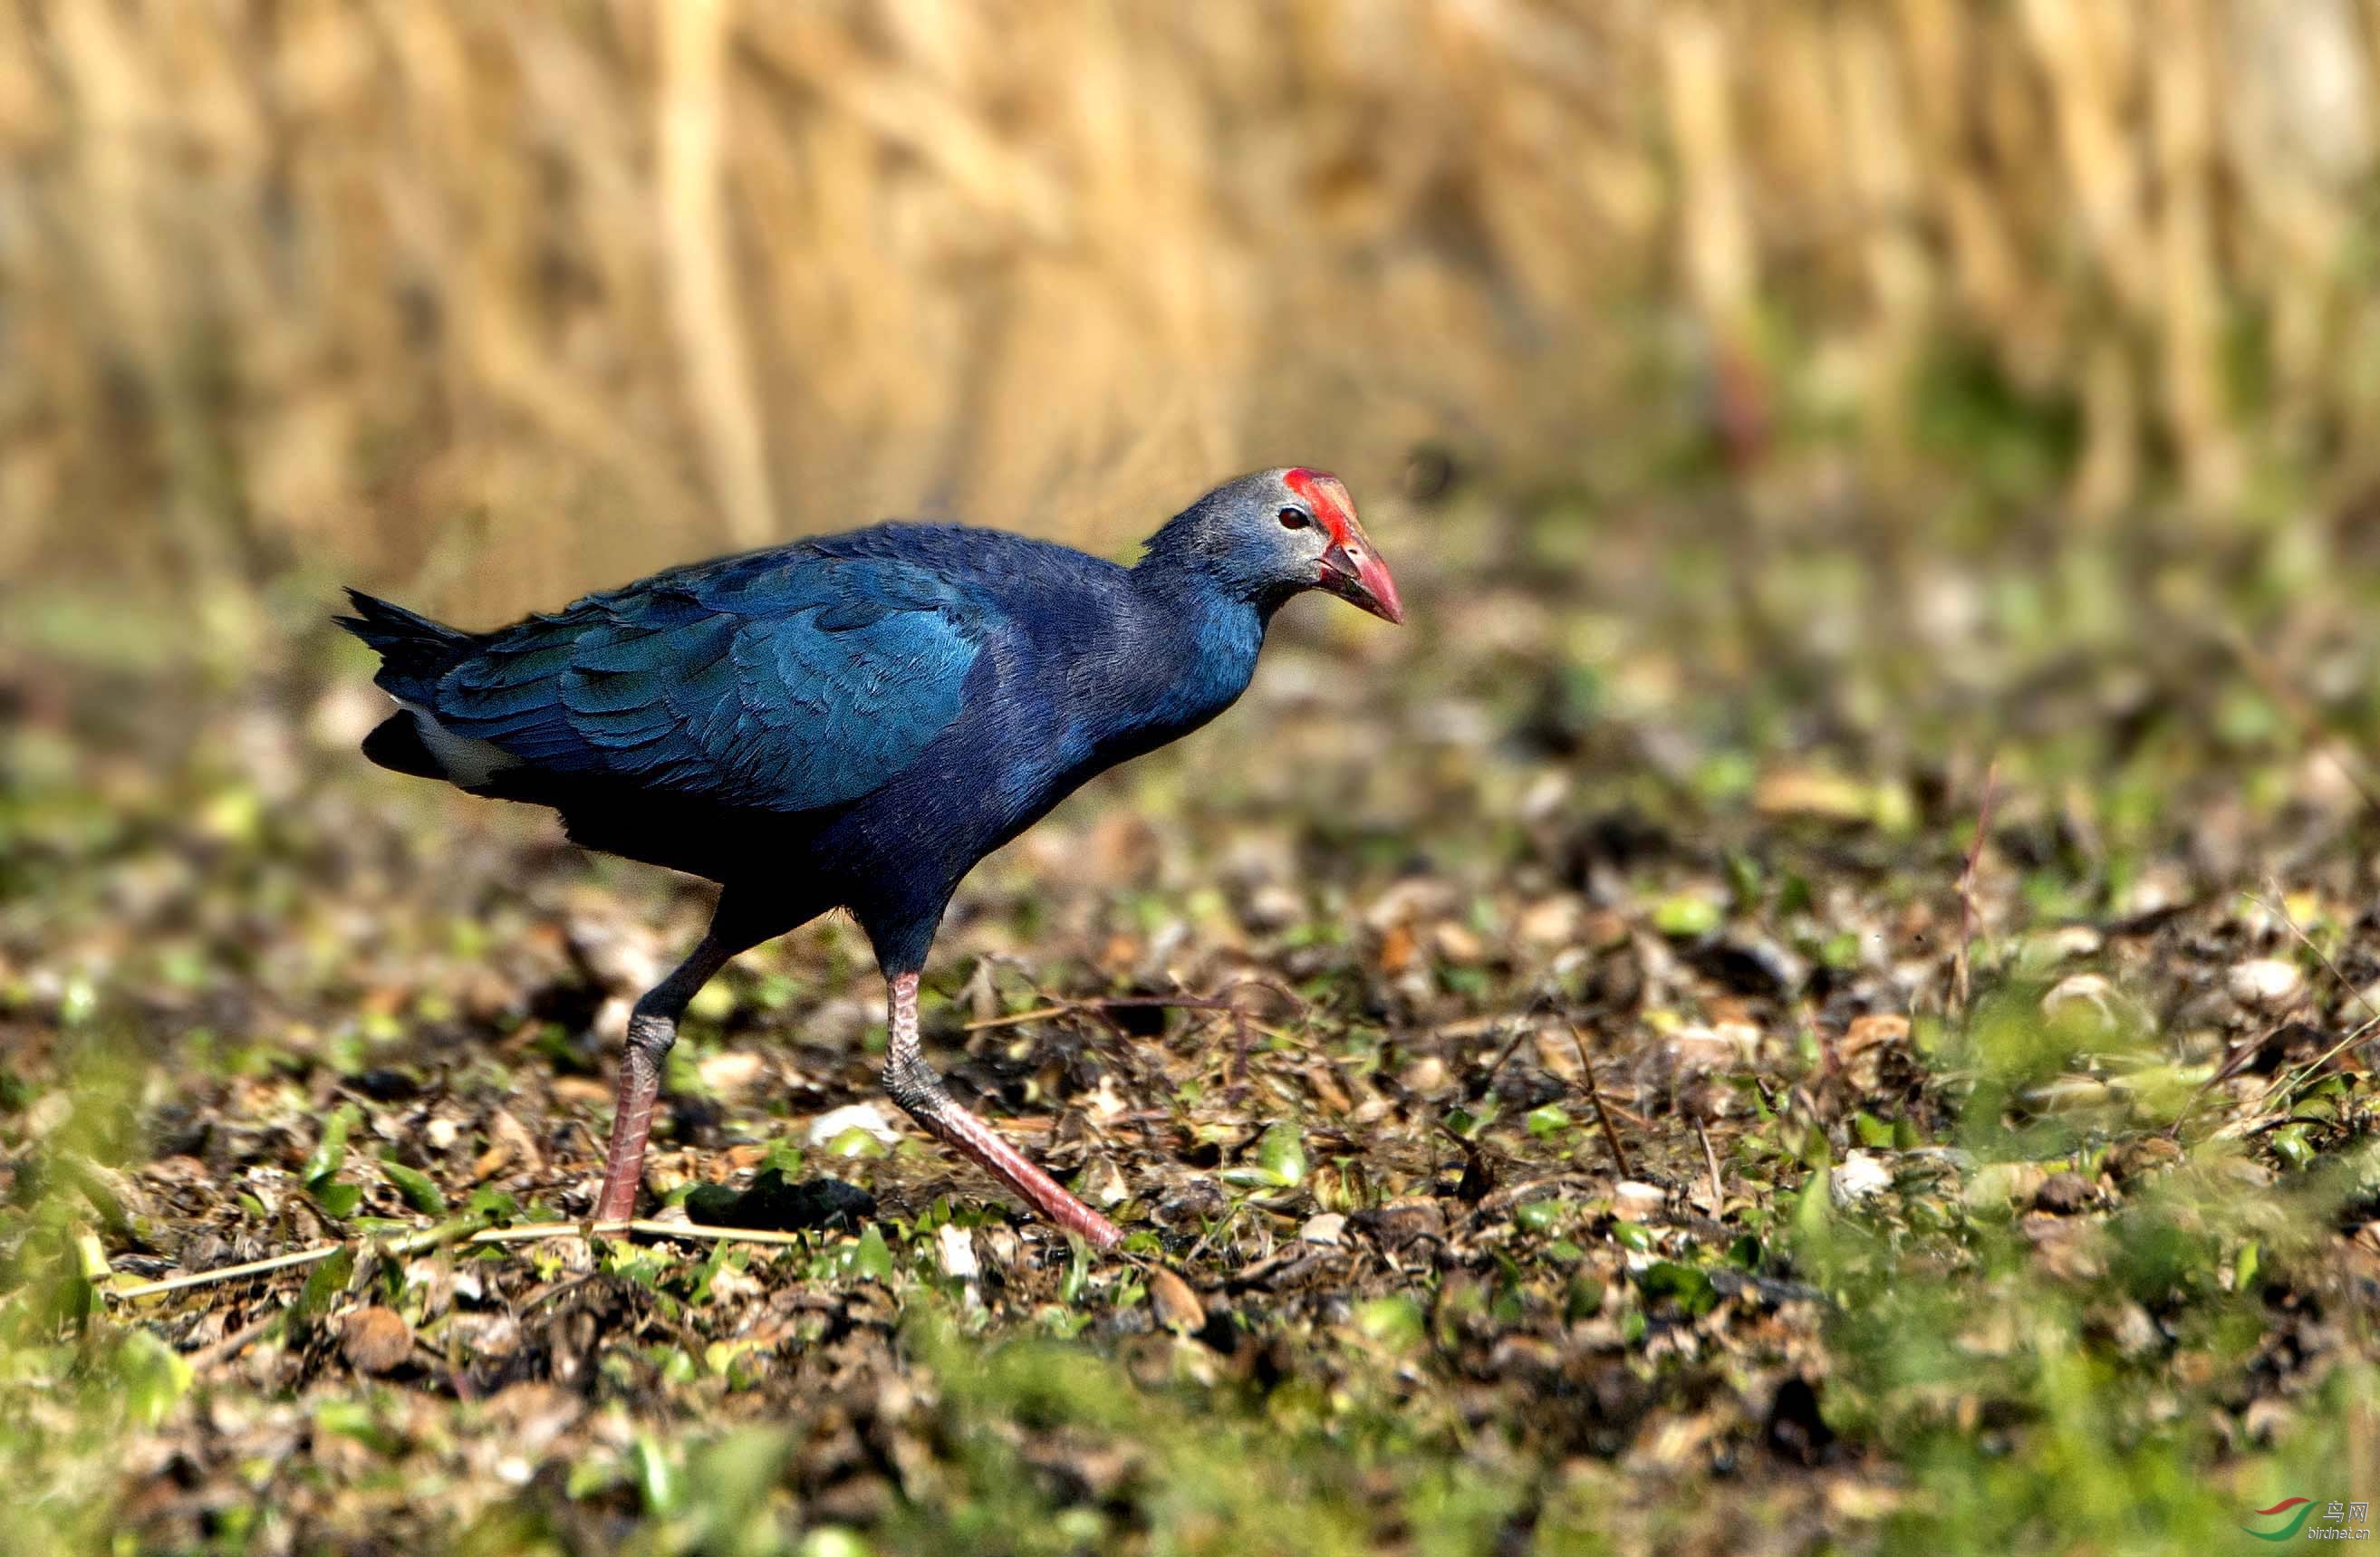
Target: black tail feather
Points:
(395, 744)
(409, 645)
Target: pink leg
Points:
(920, 1093)
(632, 1119)
(652, 1028)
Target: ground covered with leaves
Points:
(1574, 1073)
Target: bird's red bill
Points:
(1351, 568)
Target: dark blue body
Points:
(851, 721)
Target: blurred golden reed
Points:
(494, 301)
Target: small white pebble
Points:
(2135, 1334)
(1323, 1228)
(1633, 1201)
(732, 1072)
(2074, 940)
(834, 1124)
(1425, 1075)
(2266, 983)
(1539, 801)
(1274, 907)
(1698, 1051)
(958, 1253)
(1859, 1176)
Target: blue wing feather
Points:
(784, 680)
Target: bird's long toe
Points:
(919, 1089)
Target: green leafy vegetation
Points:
(2084, 1263)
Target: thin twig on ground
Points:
(1602, 1112)
(2282, 1093)
(432, 1238)
(2285, 1089)
(1718, 1185)
(2279, 909)
(1522, 1028)
(234, 1344)
(1478, 1174)
(226, 1272)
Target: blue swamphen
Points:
(855, 722)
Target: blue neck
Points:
(1176, 659)
(1220, 658)
(1206, 626)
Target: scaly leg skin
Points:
(920, 1093)
(652, 1028)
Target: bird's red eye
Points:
(1295, 519)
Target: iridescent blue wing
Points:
(784, 680)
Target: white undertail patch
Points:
(468, 763)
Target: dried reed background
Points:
(496, 300)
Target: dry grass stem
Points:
(536, 1232)
(621, 285)
(1602, 1109)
